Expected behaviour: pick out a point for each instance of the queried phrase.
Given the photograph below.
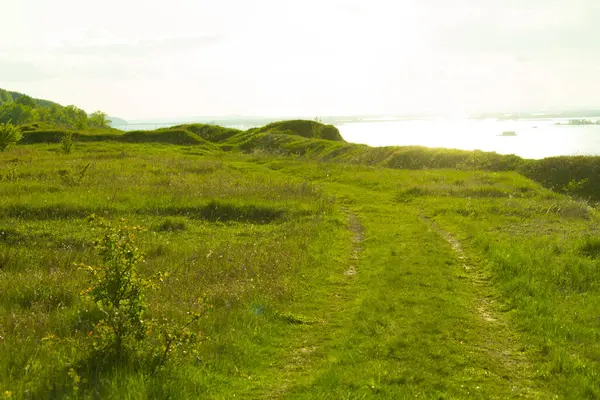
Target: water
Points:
(535, 138)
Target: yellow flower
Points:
(7, 394)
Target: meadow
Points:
(314, 268)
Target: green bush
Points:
(119, 294)
(117, 289)
(9, 135)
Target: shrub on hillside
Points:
(574, 175)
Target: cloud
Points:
(531, 30)
(22, 71)
(111, 71)
(142, 48)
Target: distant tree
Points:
(99, 119)
(5, 96)
(26, 101)
(16, 113)
(74, 116)
(21, 109)
(9, 135)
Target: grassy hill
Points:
(574, 175)
(284, 262)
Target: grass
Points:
(336, 274)
(573, 175)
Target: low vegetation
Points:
(281, 262)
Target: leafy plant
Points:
(9, 135)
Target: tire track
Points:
(312, 343)
(504, 350)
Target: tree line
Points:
(20, 109)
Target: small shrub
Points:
(119, 293)
(9, 135)
(66, 142)
(117, 289)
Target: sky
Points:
(140, 59)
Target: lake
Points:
(534, 138)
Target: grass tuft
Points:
(590, 246)
(171, 225)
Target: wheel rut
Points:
(355, 227)
(311, 345)
(503, 345)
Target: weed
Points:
(410, 194)
(9, 175)
(71, 177)
(172, 225)
(590, 246)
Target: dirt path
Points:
(504, 345)
(357, 238)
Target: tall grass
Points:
(232, 237)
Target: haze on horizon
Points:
(146, 58)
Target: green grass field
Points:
(318, 273)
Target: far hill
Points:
(21, 109)
(118, 123)
(9, 97)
